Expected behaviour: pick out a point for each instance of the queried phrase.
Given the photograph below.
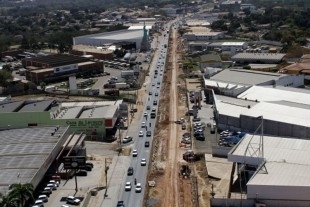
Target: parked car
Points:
(73, 200)
(130, 171)
(127, 139)
(54, 182)
(52, 186)
(39, 203)
(44, 198)
(87, 168)
(81, 173)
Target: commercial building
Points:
(203, 36)
(301, 67)
(108, 38)
(232, 47)
(285, 111)
(95, 119)
(267, 58)
(27, 153)
(58, 67)
(274, 172)
(232, 82)
(96, 52)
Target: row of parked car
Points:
(198, 129)
(51, 186)
(230, 138)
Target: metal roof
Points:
(23, 151)
(36, 106)
(276, 149)
(115, 35)
(99, 112)
(58, 59)
(278, 94)
(245, 77)
(11, 107)
(234, 43)
(69, 113)
(258, 56)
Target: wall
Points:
(292, 80)
(21, 119)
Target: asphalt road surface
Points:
(131, 198)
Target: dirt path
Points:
(172, 195)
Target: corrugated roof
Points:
(116, 35)
(255, 56)
(245, 77)
(99, 112)
(11, 107)
(37, 106)
(69, 113)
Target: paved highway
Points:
(132, 198)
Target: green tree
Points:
(43, 86)
(5, 78)
(8, 201)
(22, 192)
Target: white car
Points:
(138, 188)
(48, 189)
(39, 203)
(141, 134)
(143, 125)
(44, 198)
(54, 182)
(128, 186)
(143, 162)
(134, 153)
(52, 186)
(73, 200)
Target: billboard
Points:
(74, 162)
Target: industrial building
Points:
(232, 47)
(203, 36)
(58, 67)
(135, 36)
(95, 119)
(272, 171)
(27, 153)
(96, 52)
(285, 111)
(266, 58)
(232, 82)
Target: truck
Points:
(121, 85)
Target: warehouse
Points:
(95, 119)
(275, 171)
(59, 67)
(263, 58)
(27, 153)
(285, 111)
(108, 38)
(232, 82)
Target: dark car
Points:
(154, 102)
(81, 173)
(90, 164)
(150, 93)
(200, 137)
(120, 204)
(148, 133)
(148, 108)
(147, 144)
(130, 171)
(87, 168)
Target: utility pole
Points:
(106, 168)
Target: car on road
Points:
(154, 102)
(158, 83)
(143, 125)
(148, 133)
(141, 134)
(138, 188)
(156, 93)
(73, 200)
(128, 186)
(120, 204)
(146, 144)
(130, 171)
(148, 107)
(145, 114)
(143, 162)
(153, 84)
(150, 92)
(127, 139)
(134, 153)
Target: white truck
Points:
(121, 85)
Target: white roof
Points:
(233, 43)
(140, 27)
(276, 149)
(218, 84)
(87, 103)
(99, 112)
(261, 93)
(283, 174)
(270, 111)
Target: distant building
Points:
(58, 67)
(267, 58)
(96, 52)
(301, 67)
(203, 36)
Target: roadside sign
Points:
(74, 162)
